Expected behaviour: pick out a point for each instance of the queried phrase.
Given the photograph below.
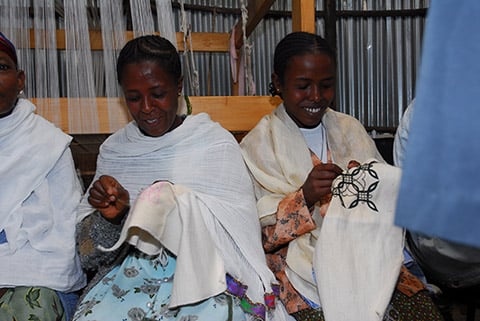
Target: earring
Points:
(20, 93)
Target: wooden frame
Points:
(234, 113)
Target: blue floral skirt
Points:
(139, 290)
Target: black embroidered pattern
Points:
(354, 184)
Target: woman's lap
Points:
(31, 303)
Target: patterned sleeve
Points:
(93, 231)
(293, 218)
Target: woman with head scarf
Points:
(39, 192)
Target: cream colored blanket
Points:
(359, 251)
(279, 160)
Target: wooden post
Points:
(303, 15)
(331, 22)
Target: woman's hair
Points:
(150, 48)
(296, 44)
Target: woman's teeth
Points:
(313, 110)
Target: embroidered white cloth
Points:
(359, 251)
(277, 155)
(211, 182)
(39, 192)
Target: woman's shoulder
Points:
(205, 127)
(339, 119)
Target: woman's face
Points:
(151, 95)
(308, 87)
(12, 81)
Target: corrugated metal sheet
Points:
(378, 56)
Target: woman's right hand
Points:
(109, 197)
(319, 182)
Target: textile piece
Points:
(162, 214)
(39, 193)
(359, 251)
(440, 193)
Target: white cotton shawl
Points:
(39, 223)
(359, 251)
(24, 140)
(204, 161)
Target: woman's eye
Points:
(4, 67)
(132, 98)
(158, 96)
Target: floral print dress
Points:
(139, 290)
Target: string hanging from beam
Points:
(82, 113)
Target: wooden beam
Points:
(235, 113)
(331, 22)
(303, 15)
(256, 11)
(201, 41)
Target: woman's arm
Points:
(293, 218)
(92, 232)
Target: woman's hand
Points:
(109, 198)
(319, 182)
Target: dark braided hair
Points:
(150, 48)
(296, 44)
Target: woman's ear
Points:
(180, 85)
(276, 83)
(20, 80)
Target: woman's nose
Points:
(316, 94)
(146, 105)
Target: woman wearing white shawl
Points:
(190, 246)
(294, 155)
(39, 269)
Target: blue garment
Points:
(440, 189)
(69, 302)
(140, 289)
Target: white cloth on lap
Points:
(359, 251)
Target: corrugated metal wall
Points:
(378, 43)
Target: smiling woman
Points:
(151, 86)
(190, 246)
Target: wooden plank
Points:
(235, 113)
(303, 15)
(201, 41)
(256, 11)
